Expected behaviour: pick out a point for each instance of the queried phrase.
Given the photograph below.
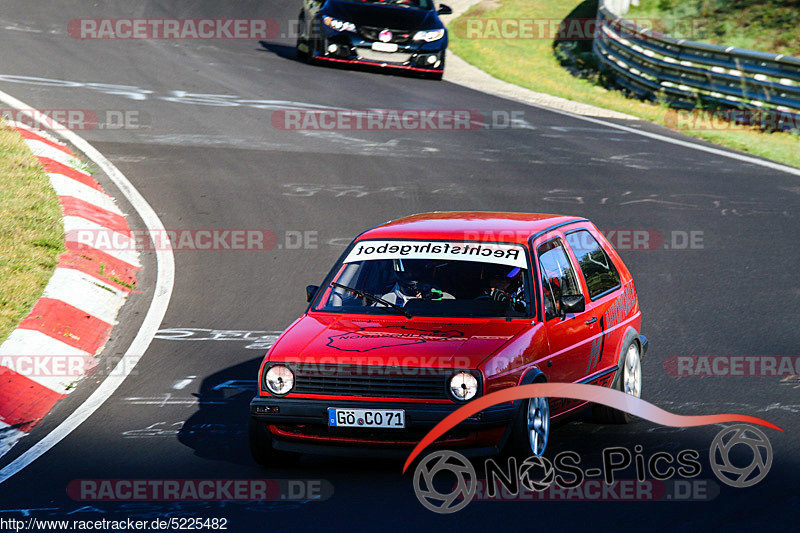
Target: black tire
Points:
(261, 447)
(313, 42)
(520, 442)
(608, 415)
(300, 54)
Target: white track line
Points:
(155, 313)
(461, 6)
(686, 144)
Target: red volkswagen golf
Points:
(425, 313)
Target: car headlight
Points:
(338, 25)
(279, 379)
(429, 36)
(463, 386)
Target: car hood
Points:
(398, 18)
(419, 342)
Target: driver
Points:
(505, 287)
(410, 285)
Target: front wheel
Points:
(531, 429)
(303, 47)
(627, 380)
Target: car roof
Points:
(469, 226)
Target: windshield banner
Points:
(503, 254)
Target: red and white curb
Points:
(54, 346)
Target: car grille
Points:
(410, 435)
(370, 33)
(383, 57)
(383, 382)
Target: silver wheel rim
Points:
(632, 371)
(538, 420)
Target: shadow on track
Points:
(281, 50)
(218, 430)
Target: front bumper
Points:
(346, 47)
(302, 425)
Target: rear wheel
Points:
(531, 429)
(261, 447)
(627, 380)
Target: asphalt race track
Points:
(217, 162)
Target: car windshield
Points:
(431, 278)
(418, 4)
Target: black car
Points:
(404, 34)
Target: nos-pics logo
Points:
(446, 482)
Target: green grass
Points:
(31, 231)
(569, 70)
(766, 25)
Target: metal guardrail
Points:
(685, 73)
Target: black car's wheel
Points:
(303, 47)
(531, 429)
(314, 39)
(628, 380)
(261, 447)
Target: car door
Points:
(602, 285)
(569, 335)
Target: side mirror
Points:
(311, 291)
(572, 303)
(444, 10)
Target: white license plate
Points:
(384, 47)
(366, 418)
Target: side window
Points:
(558, 277)
(600, 273)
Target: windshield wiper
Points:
(372, 297)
